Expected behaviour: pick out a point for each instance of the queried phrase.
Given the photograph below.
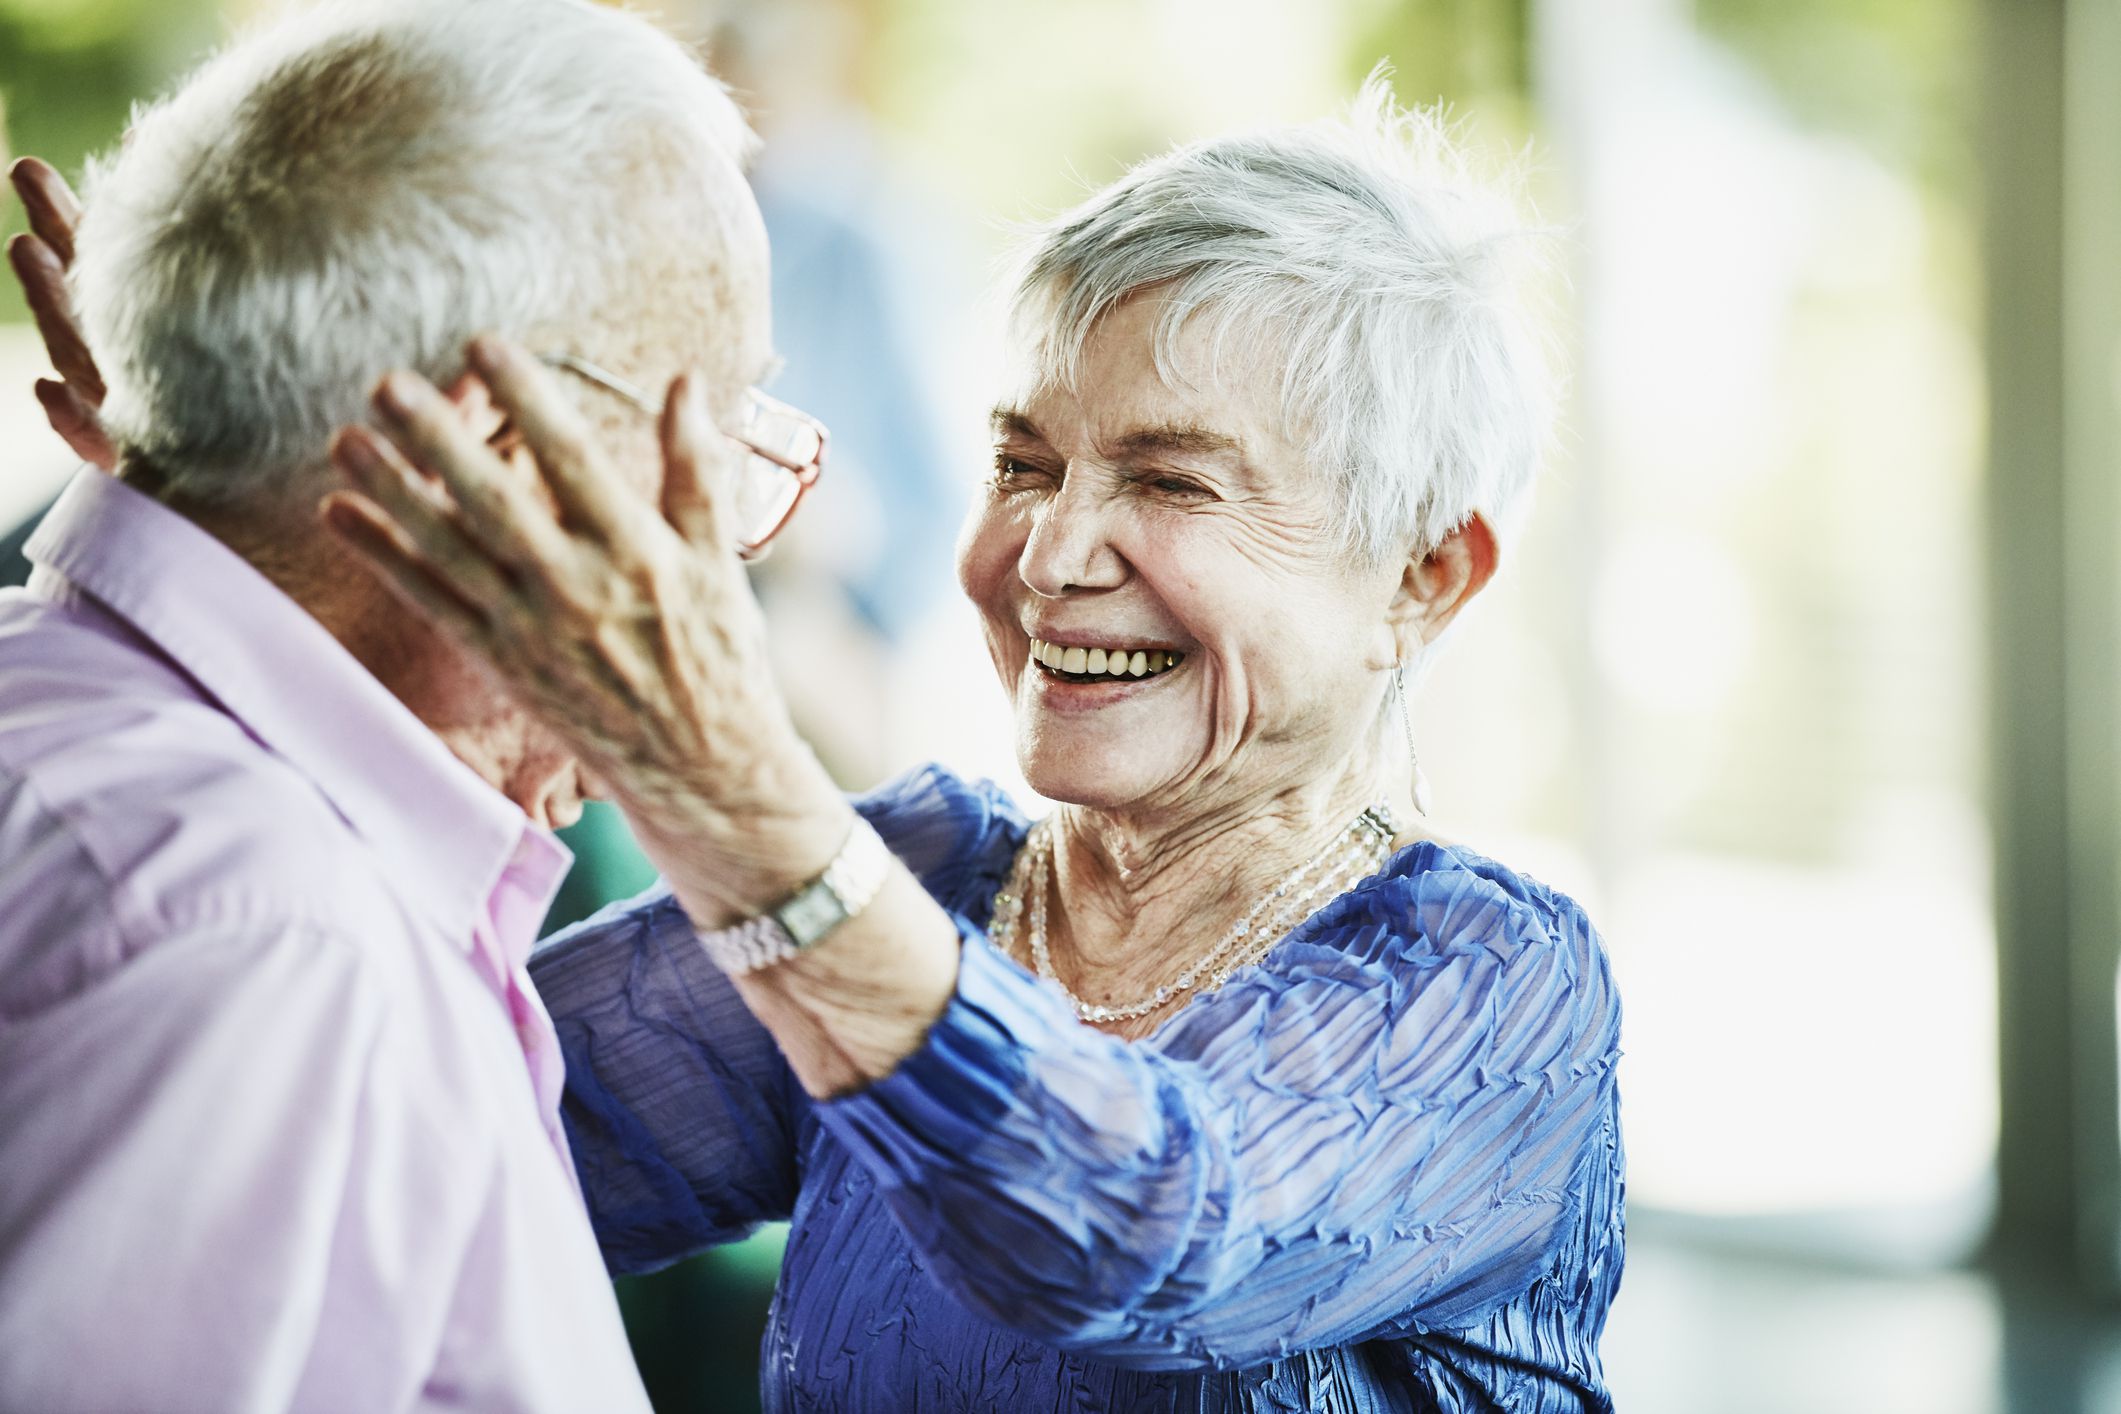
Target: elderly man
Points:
(278, 1104)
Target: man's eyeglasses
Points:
(785, 446)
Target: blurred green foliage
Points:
(696, 1326)
(1465, 53)
(70, 72)
(1896, 76)
(608, 865)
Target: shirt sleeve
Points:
(679, 1109)
(228, 1187)
(1377, 1130)
(681, 1112)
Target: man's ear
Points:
(1435, 586)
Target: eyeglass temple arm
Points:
(609, 382)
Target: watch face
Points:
(811, 914)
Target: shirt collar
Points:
(441, 829)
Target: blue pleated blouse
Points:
(1379, 1170)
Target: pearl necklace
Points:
(1352, 856)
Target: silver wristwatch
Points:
(806, 916)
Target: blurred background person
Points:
(1832, 509)
(870, 282)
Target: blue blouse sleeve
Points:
(1380, 1128)
(679, 1109)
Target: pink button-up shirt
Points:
(278, 1104)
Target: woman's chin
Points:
(1093, 774)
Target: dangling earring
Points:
(1406, 717)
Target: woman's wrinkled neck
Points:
(1125, 881)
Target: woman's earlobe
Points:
(1388, 643)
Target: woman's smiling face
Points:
(1178, 525)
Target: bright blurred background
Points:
(1802, 677)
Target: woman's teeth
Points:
(1104, 662)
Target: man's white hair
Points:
(1363, 251)
(362, 186)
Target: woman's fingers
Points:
(495, 507)
(53, 212)
(424, 520)
(589, 497)
(39, 260)
(696, 489)
(77, 424)
(43, 278)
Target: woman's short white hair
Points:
(361, 186)
(1390, 278)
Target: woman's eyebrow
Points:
(1009, 421)
(1186, 438)
(1183, 438)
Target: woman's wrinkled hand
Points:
(628, 627)
(40, 259)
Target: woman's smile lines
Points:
(1108, 663)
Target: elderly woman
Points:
(1228, 1085)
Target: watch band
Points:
(806, 916)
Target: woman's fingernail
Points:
(399, 394)
(353, 454)
(692, 405)
(485, 353)
(27, 249)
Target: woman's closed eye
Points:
(1014, 472)
(1169, 485)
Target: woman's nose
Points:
(1070, 546)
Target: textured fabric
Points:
(278, 1106)
(1379, 1171)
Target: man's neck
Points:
(435, 680)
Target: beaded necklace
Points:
(1357, 852)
